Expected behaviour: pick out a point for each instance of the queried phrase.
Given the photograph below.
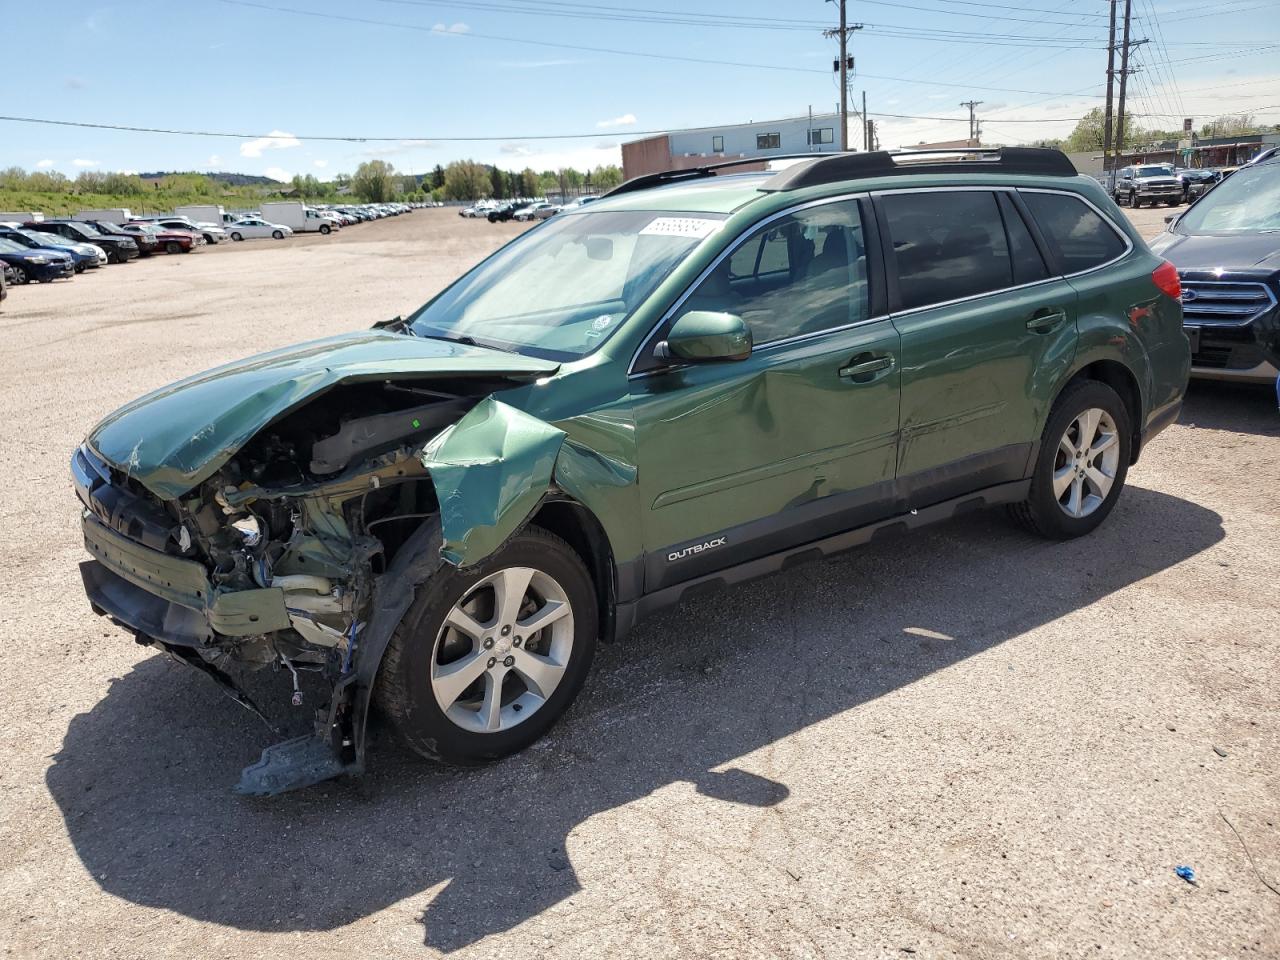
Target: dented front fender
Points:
(493, 467)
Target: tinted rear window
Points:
(1082, 237)
(947, 245)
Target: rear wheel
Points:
(1081, 467)
(487, 659)
(236, 236)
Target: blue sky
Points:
(432, 70)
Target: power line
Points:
(616, 52)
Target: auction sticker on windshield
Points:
(694, 228)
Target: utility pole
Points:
(866, 136)
(843, 66)
(973, 120)
(1111, 76)
(1124, 76)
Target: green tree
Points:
(606, 178)
(497, 183)
(1230, 125)
(373, 181)
(1088, 134)
(437, 177)
(529, 184)
(466, 180)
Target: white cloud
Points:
(128, 173)
(453, 28)
(215, 161)
(278, 173)
(320, 164)
(516, 149)
(275, 140)
(626, 120)
(84, 163)
(399, 147)
(44, 164)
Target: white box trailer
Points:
(113, 215)
(21, 216)
(201, 213)
(299, 217)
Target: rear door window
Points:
(948, 245)
(1082, 238)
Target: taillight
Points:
(1166, 279)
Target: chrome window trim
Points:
(728, 252)
(961, 188)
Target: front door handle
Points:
(1046, 321)
(865, 368)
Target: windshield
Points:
(1246, 202)
(561, 289)
(1154, 172)
(8, 246)
(43, 239)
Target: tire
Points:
(78, 268)
(324, 229)
(1044, 512)
(1134, 202)
(113, 257)
(409, 677)
(277, 235)
(20, 276)
(236, 236)
(173, 246)
(209, 239)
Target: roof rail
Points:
(696, 173)
(833, 168)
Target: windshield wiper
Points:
(465, 339)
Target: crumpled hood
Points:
(180, 435)
(1229, 252)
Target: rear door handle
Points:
(865, 368)
(1046, 321)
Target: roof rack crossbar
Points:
(833, 168)
(705, 170)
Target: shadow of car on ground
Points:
(142, 778)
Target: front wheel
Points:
(173, 246)
(113, 257)
(277, 234)
(324, 229)
(20, 276)
(487, 659)
(1083, 459)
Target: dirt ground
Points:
(962, 743)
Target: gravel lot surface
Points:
(962, 743)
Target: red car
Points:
(171, 241)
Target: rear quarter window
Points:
(1081, 237)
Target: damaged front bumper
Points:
(168, 598)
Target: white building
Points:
(682, 149)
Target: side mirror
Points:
(702, 335)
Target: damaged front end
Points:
(298, 547)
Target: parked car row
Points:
(33, 248)
(523, 209)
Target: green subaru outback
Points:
(704, 377)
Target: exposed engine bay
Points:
(292, 534)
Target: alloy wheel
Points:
(502, 650)
(1084, 469)
(20, 276)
